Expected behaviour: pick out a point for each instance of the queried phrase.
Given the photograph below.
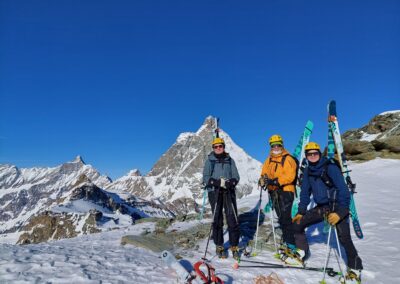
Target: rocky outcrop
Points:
(379, 138)
(54, 226)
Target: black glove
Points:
(273, 182)
(212, 182)
(231, 183)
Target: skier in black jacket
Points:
(221, 176)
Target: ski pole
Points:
(204, 204)
(212, 223)
(258, 218)
(273, 229)
(328, 252)
(340, 254)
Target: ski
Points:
(334, 129)
(216, 131)
(330, 154)
(182, 273)
(299, 155)
(258, 264)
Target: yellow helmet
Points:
(312, 146)
(276, 139)
(218, 141)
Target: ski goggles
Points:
(311, 154)
(218, 146)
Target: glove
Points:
(212, 182)
(261, 182)
(231, 183)
(273, 182)
(297, 219)
(333, 218)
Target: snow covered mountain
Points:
(67, 194)
(176, 178)
(24, 192)
(379, 138)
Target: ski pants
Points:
(317, 215)
(223, 199)
(282, 202)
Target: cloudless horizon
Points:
(117, 81)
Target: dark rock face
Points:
(54, 226)
(379, 138)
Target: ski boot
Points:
(294, 257)
(235, 252)
(352, 277)
(284, 248)
(220, 252)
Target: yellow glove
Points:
(297, 218)
(333, 218)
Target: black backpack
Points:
(324, 175)
(282, 162)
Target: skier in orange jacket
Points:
(278, 176)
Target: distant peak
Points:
(78, 159)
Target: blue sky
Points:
(117, 81)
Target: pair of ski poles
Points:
(328, 246)
(217, 192)
(258, 221)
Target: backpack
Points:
(324, 175)
(294, 182)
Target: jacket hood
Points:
(318, 168)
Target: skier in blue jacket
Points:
(221, 176)
(324, 181)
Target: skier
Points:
(324, 181)
(278, 175)
(221, 176)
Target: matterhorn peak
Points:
(208, 125)
(78, 160)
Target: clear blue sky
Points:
(117, 81)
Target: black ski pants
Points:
(224, 200)
(317, 215)
(282, 202)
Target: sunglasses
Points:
(312, 154)
(276, 146)
(218, 146)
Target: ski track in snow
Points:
(99, 258)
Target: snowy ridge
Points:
(389, 112)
